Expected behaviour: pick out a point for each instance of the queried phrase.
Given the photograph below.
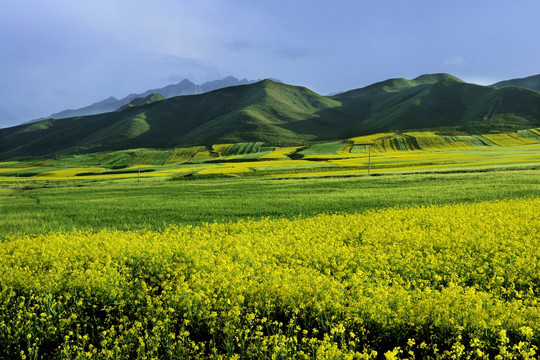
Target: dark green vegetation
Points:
(62, 206)
(280, 114)
(529, 82)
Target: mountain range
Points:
(281, 114)
(184, 87)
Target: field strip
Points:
(328, 286)
(3, 170)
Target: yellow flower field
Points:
(281, 153)
(67, 173)
(453, 281)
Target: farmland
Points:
(249, 251)
(387, 153)
(445, 281)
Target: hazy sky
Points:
(65, 54)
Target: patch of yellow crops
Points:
(15, 169)
(390, 142)
(183, 169)
(232, 169)
(385, 145)
(428, 140)
(202, 155)
(281, 152)
(221, 149)
(351, 162)
(536, 131)
(460, 144)
(509, 139)
(455, 281)
(368, 139)
(272, 163)
(66, 173)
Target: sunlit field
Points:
(452, 281)
(389, 246)
(388, 153)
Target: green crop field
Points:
(67, 205)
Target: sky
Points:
(65, 54)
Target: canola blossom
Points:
(453, 281)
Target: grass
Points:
(327, 150)
(64, 205)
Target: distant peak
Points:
(267, 82)
(185, 81)
(434, 78)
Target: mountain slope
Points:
(530, 82)
(184, 87)
(281, 114)
(107, 105)
(438, 103)
(225, 115)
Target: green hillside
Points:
(442, 103)
(280, 114)
(529, 82)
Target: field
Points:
(387, 153)
(446, 281)
(37, 208)
(246, 251)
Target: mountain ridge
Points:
(281, 114)
(184, 87)
(529, 82)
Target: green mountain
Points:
(440, 102)
(184, 87)
(530, 82)
(281, 114)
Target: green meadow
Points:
(64, 205)
(152, 189)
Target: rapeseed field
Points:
(442, 282)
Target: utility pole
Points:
(369, 160)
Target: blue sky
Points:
(60, 54)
